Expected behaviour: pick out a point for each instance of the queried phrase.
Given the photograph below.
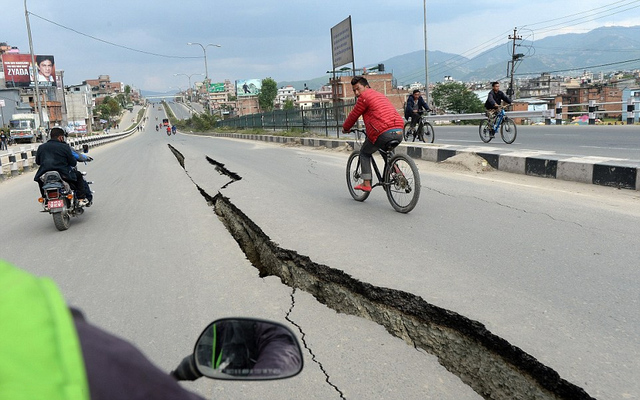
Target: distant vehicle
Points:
(24, 127)
(165, 122)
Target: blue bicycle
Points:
(508, 130)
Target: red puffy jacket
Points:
(378, 114)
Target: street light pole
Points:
(204, 50)
(206, 68)
(188, 76)
(426, 57)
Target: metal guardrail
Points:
(510, 114)
(330, 117)
(13, 162)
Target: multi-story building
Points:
(285, 93)
(103, 87)
(324, 94)
(79, 104)
(306, 99)
(383, 83)
(599, 93)
(543, 86)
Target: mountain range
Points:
(606, 49)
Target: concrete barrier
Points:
(16, 162)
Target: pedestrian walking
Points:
(3, 140)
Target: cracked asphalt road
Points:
(521, 256)
(156, 264)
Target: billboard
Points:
(342, 43)
(217, 87)
(18, 71)
(248, 87)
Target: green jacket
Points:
(40, 354)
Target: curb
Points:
(604, 171)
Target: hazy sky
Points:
(282, 39)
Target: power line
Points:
(111, 43)
(578, 68)
(573, 15)
(556, 27)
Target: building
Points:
(306, 99)
(597, 93)
(383, 83)
(543, 86)
(103, 87)
(79, 104)
(11, 103)
(634, 95)
(246, 105)
(324, 94)
(285, 93)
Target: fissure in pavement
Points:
(490, 365)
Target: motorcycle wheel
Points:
(61, 220)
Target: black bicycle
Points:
(423, 131)
(400, 177)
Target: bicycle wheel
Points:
(354, 177)
(407, 132)
(427, 134)
(485, 131)
(508, 130)
(402, 183)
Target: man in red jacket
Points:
(381, 119)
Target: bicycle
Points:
(400, 177)
(508, 130)
(419, 131)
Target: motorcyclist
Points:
(157, 128)
(168, 130)
(56, 155)
(51, 352)
(174, 129)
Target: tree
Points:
(267, 94)
(109, 108)
(288, 104)
(456, 97)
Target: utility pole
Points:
(514, 58)
(426, 57)
(37, 104)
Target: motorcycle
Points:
(157, 129)
(242, 349)
(60, 199)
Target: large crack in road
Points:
(490, 365)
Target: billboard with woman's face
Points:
(18, 71)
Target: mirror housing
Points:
(247, 349)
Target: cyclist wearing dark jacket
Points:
(415, 103)
(495, 97)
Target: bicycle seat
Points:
(392, 145)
